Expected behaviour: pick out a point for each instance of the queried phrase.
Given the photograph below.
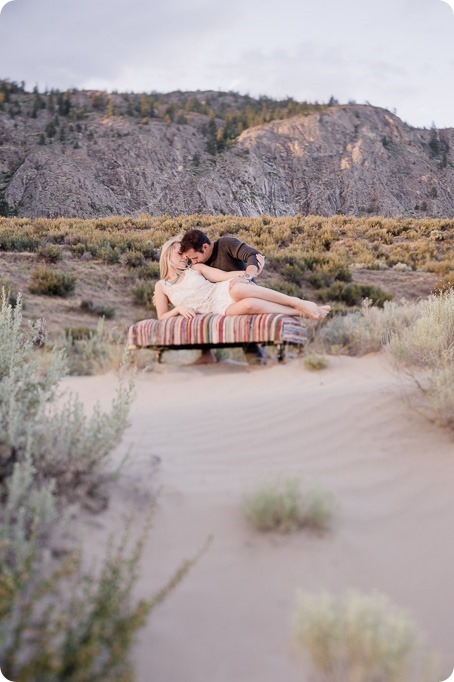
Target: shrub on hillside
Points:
(51, 282)
(133, 259)
(51, 253)
(445, 283)
(354, 294)
(142, 294)
(106, 311)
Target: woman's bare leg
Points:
(255, 306)
(241, 291)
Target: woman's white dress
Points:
(194, 291)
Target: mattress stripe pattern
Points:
(216, 330)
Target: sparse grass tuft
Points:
(282, 506)
(360, 637)
(315, 362)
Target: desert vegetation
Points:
(360, 637)
(419, 339)
(57, 620)
(282, 505)
(108, 267)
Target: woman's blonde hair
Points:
(166, 252)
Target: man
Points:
(226, 253)
(229, 254)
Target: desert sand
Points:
(207, 434)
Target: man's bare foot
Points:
(207, 358)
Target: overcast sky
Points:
(398, 54)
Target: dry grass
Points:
(360, 638)
(282, 506)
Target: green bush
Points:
(50, 253)
(148, 271)
(142, 294)
(281, 505)
(106, 311)
(51, 282)
(16, 240)
(354, 294)
(133, 259)
(78, 249)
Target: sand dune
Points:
(218, 430)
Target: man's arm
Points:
(245, 253)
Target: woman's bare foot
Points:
(309, 309)
(324, 310)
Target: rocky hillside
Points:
(91, 154)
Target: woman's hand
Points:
(188, 313)
(261, 262)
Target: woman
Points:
(202, 289)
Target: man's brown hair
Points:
(194, 239)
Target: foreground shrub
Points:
(51, 282)
(367, 330)
(425, 351)
(72, 625)
(360, 638)
(57, 623)
(281, 505)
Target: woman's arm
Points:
(162, 305)
(214, 274)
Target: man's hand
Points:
(188, 313)
(261, 260)
(239, 279)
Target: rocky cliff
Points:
(352, 159)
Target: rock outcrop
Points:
(352, 159)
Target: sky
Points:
(397, 54)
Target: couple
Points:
(192, 286)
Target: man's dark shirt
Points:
(229, 253)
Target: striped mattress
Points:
(217, 330)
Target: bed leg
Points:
(159, 354)
(280, 352)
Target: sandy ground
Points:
(217, 431)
